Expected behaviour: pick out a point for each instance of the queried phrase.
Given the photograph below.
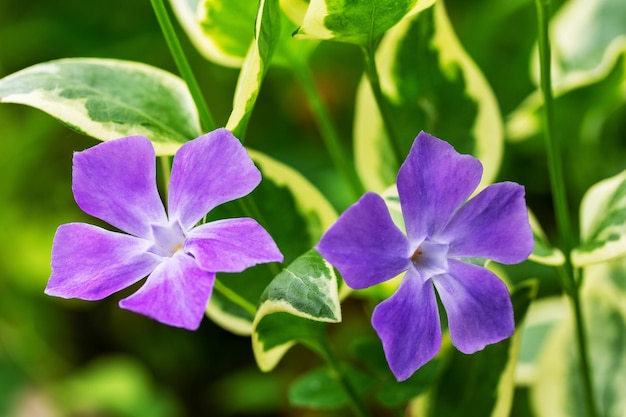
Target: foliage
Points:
(288, 78)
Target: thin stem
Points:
(583, 357)
(206, 119)
(557, 182)
(327, 129)
(555, 164)
(166, 167)
(356, 405)
(383, 105)
(250, 209)
(234, 297)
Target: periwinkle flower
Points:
(443, 230)
(116, 182)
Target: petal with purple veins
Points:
(208, 171)
(408, 325)
(176, 293)
(432, 183)
(478, 306)
(91, 263)
(493, 225)
(231, 245)
(365, 245)
(115, 181)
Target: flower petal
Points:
(208, 171)
(115, 181)
(432, 183)
(92, 263)
(408, 325)
(176, 293)
(231, 245)
(492, 225)
(365, 245)
(478, 306)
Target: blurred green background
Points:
(74, 358)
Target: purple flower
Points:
(442, 232)
(115, 182)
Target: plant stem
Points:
(327, 130)
(555, 164)
(206, 119)
(583, 357)
(357, 406)
(383, 105)
(166, 167)
(571, 284)
(234, 297)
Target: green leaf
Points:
(228, 27)
(487, 377)
(603, 222)
(543, 252)
(114, 386)
(543, 315)
(431, 84)
(109, 99)
(320, 389)
(221, 30)
(605, 91)
(304, 216)
(267, 34)
(306, 289)
(357, 22)
(557, 391)
(588, 40)
(587, 36)
(396, 394)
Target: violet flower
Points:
(442, 231)
(115, 182)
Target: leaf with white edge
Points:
(306, 289)
(221, 30)
(267, 35)
(488, 376)
(587, 36)
(543, 252)
(542, 316)
(557, 391)
(357, 22)
(589, 54)
(295, 9)
(605, 87)
(603, 222)
(431, 84)
(305, 215)
(108, 99)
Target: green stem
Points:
(250, 209)
(166, 167)
(557, 181)
(357, 406)
(327, 129)
(583, 357)
(234, 297)
(555, 164)
(206, 119)
(383, 105)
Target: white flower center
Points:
(167, 239)
(430, 258)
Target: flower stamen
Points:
(418, 252)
